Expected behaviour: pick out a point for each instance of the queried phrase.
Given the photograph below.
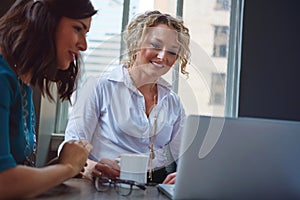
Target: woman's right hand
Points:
(75, 154)
(108, 168)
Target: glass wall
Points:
(204, 90)
(209, 24)
(214, 62)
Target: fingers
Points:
(105, 170)
(108, 168)
(82, 143)
(79, 175)
(85, 144)
(75, 154)
(110, 163)
(88, 147)
(170, 179)
(88, 169)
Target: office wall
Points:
(270, 60)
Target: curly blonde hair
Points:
(135, 32)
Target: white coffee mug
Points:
(134, 167)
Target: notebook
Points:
(237, 158)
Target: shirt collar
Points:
(120, 74)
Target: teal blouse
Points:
(12, 134)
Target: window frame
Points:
(234, 58)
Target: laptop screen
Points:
(238, 158)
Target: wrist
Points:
(69, 169)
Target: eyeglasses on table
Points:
(122, 187)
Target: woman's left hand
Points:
(170, 179)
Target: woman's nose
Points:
(161, 54)
(82, 44)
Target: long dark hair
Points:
(27, 36)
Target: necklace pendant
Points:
(152, 154)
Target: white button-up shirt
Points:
(109, 112)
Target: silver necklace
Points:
(153, 140)
(30, 156)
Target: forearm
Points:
(24, 182)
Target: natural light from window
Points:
(203, 92)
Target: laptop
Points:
(237, 158)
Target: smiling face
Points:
(70, 39)
(158, 51)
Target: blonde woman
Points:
(133, 109)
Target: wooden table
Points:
(84, 189)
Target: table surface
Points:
(77, 188)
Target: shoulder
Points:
(174, 99)
(95, 88)
(111, 78)
(9, 81)
(166, 91)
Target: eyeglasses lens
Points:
(102, 184)
(123, 189)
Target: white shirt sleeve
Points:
(176, 140)
(83, 118)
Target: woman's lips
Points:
(157, 64)
(72, 56)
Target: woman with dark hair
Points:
(40, 44)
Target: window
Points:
(217, 94)
(104, 39)
(104, 47)
(204, 92)
(209, 56)
(220, 41)
(215, 44)
(222, 5)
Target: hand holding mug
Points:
(107, 167)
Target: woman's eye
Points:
(173, 53)
(156, 46)
(77, 28)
